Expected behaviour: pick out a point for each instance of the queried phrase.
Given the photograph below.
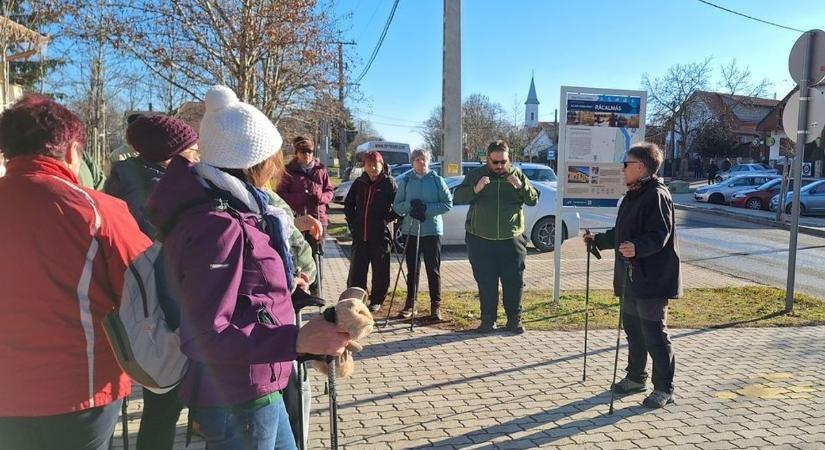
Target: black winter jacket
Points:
(132, 180)
(368, 206)
(646, 218)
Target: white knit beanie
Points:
(233, 134)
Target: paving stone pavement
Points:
(736, 388)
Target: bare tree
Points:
(668, 98)
(280, 55)
(482, 121)
(738, 81)
(433, 133)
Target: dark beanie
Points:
(159, 137)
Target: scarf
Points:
(638, 185)
(277, 223)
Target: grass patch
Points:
(753, 306)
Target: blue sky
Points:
(596, 43)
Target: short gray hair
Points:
(421, 153)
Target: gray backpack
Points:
(143, 330)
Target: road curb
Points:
(811, 231)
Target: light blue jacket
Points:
(432, 190)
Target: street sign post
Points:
(807, 67)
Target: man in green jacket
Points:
(495, 224)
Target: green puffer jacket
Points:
(301, 251)
(495, 212)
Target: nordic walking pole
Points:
(591, 249)
(397, 277)
(333, 404)
(415, 274)
(626, 275)
(586, 308)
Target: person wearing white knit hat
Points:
(233, 134)
(231, 261)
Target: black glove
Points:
(418, 211)
(301, 299)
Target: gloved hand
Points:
(419, 210)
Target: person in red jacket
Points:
(307, 190)
(65, 250)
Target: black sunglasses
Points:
(630, 162)
(309, 152)
(498, 162)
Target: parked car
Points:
(760, 197)
(722, 192)
(746, 169)
(539, 220)
(811, 199)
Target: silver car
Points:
(721, 193)
(746, 169)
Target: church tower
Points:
(531, 107)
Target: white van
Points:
(394, 153)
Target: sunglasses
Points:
(308, 152)
(496, 162)
(625, 163)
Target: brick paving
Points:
(736, 388)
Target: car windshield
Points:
(769, 185)
(539, 174)
(810, 186)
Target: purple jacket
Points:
(307, 193)
(236, 311)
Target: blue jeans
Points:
(264, 428)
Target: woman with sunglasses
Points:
(307, 190)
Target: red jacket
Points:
(64, 252)
(307, 193)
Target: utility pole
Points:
(342, 124)
(451, 89)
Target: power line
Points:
(380, 42)
(749, 17)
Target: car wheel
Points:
(753, 203)
(398, 238)
(544, 234)
(716, 198)
(789, 209)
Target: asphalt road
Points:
(743, 249)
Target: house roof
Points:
(532, 99)
(745, 113)
(773, 121)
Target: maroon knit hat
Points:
(158, 137)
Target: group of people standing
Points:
(234, 252)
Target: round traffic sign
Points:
(816, 115)
(796, 61)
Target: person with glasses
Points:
(647, 260)
(496, 246)
(307, 190)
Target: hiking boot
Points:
(375, 307)
(486, 327)
(658, 399)
(628, 386)
(515, 326)
(406, 313)
(435, 314)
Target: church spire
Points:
(532, 99)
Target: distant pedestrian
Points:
(713, 171)
(647, 263)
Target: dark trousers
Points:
(645, 325)
(493, 261)
(377, 255)
(159, 420)
(89, 429)
(431, 252)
